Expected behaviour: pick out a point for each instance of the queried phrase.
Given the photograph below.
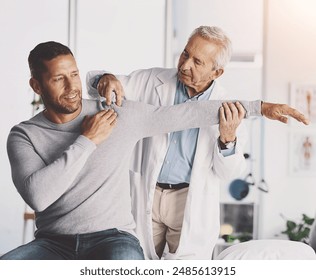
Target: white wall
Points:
(119, 36)
(290, 57)
(241, 20)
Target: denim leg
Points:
(115, 245)
(109, 244)
(39, 249)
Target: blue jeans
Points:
(109, 244)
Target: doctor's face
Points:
(196, 64)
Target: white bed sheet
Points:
(268, 250)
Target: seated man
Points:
(70, 163)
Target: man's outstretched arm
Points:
(152, 120)
(105, 84)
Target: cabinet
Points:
(238, 221)
(238, 224)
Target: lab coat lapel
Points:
(166, 89)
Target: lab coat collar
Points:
(166, 90)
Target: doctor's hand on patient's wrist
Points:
(281, 112)
(230, 117)
(107, 84)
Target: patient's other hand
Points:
(98, 127)
(281, 112)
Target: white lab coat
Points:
(200, 229)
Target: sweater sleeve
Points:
(41, 184)
(154, 120)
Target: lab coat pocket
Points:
(137, 194)
(135, 182)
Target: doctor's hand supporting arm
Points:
(230, 117)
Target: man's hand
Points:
(108, 84)
(99, 126)
(281, 111)
(230, 117)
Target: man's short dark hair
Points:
(45, 52)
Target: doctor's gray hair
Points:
(218, 36)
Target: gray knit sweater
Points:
(77, 187)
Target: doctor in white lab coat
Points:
(200, 228)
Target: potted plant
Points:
(299, 231)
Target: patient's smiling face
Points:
(60, 88)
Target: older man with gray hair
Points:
(175, 178)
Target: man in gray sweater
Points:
(70, 162)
